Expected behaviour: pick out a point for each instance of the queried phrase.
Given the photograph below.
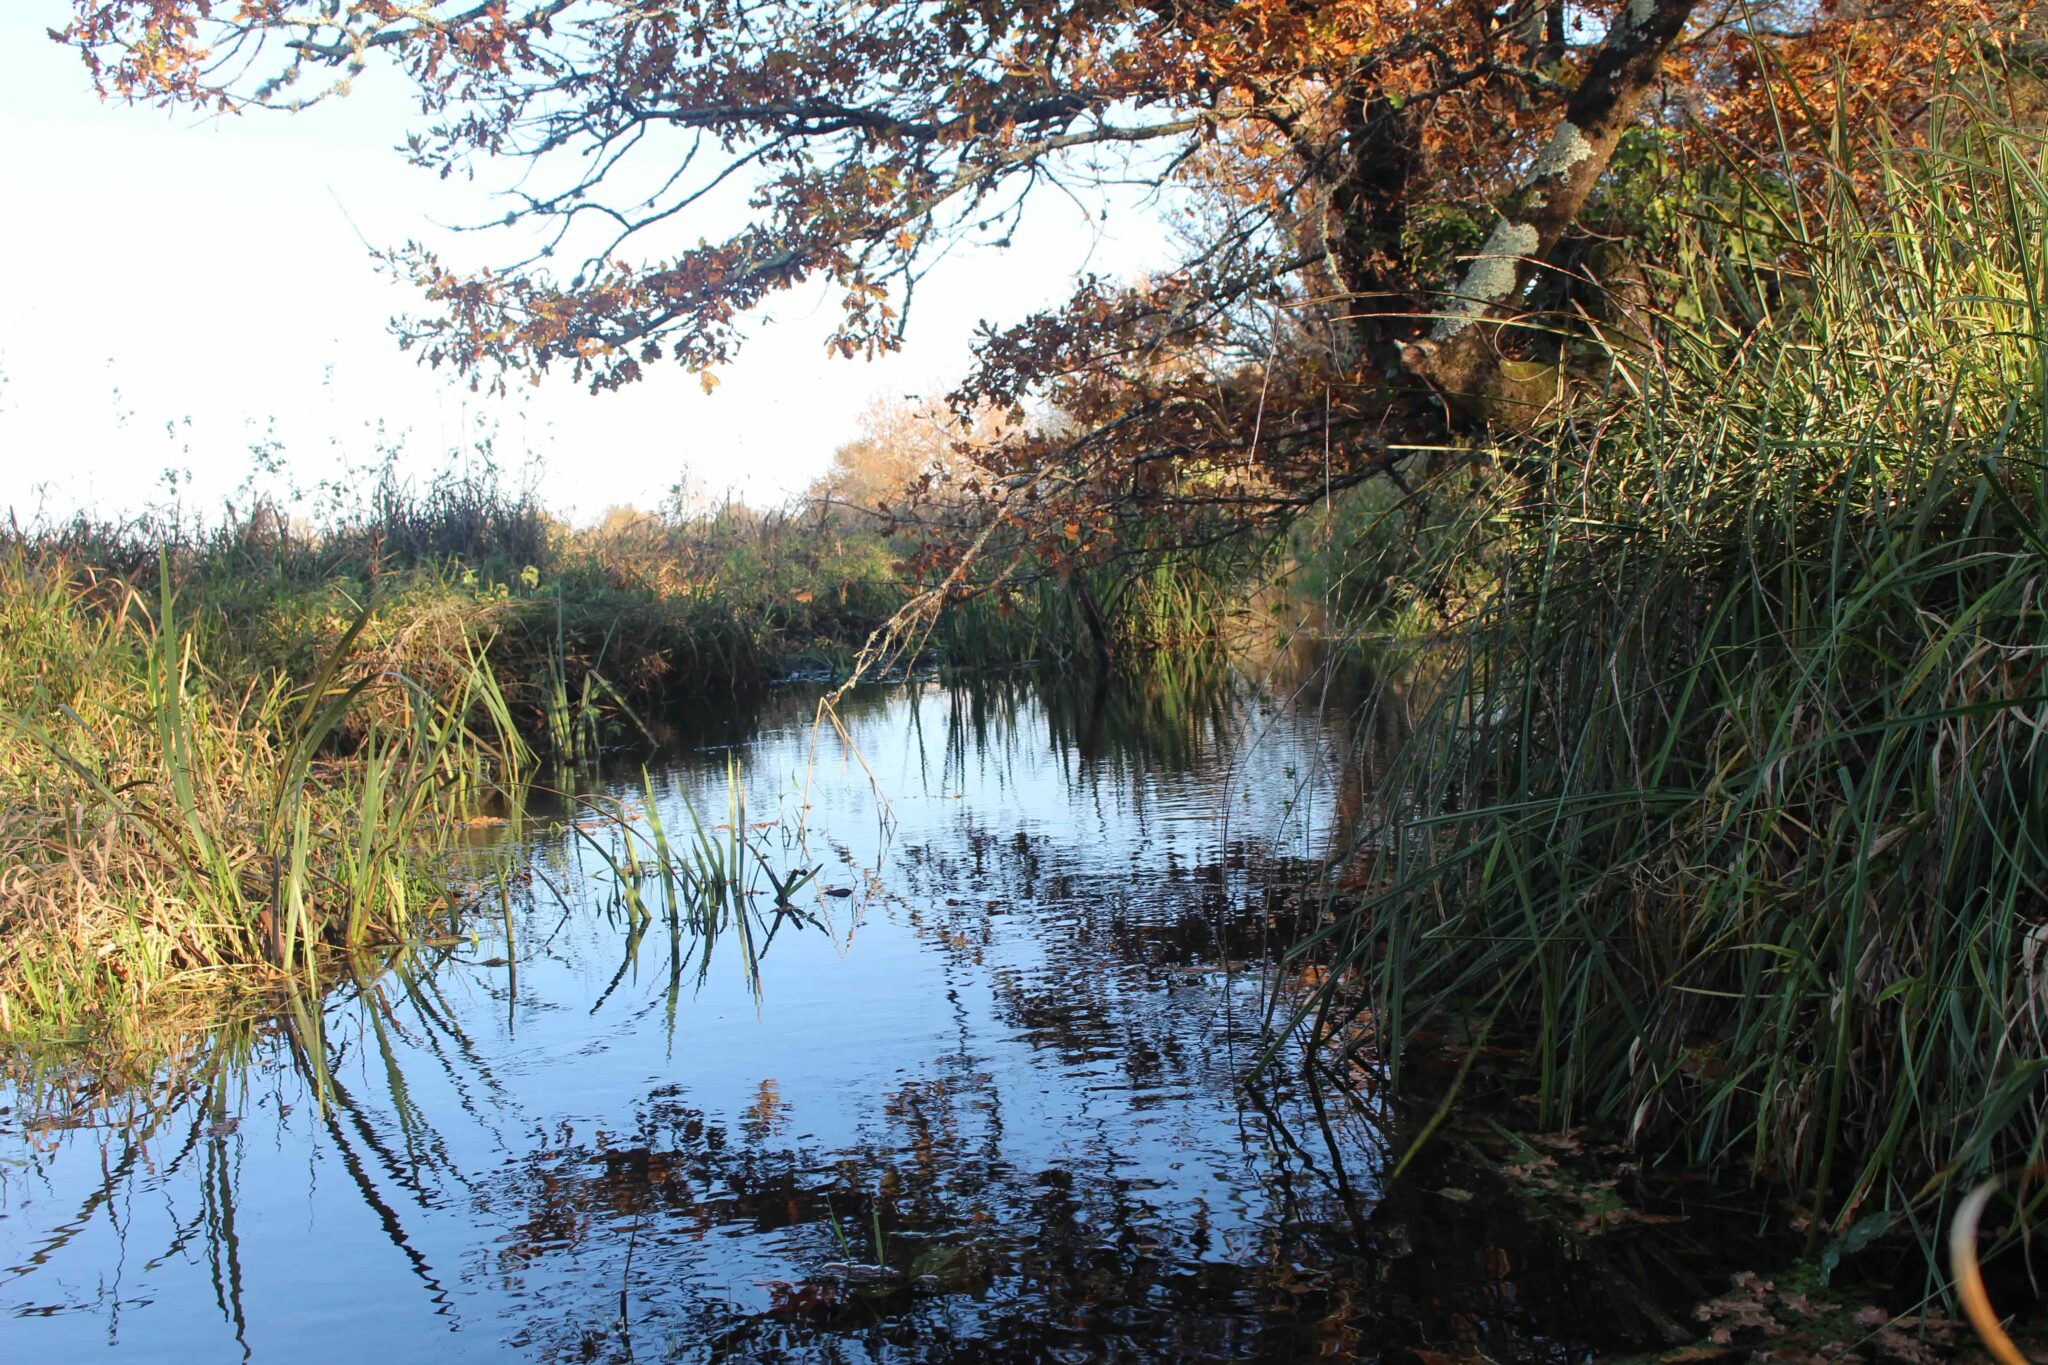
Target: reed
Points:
(1726, 786)
(169, 833)
(1157, 597)
(704, 884)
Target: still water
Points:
(979, 1090)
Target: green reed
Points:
(1160, 597)
(1726, 785)
(166, 827)
(704, 883)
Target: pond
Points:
(983, 1087)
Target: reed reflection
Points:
(745, 1063)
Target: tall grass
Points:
(164, 829)
(1728, 789)
(1151, 600)
(583, 623)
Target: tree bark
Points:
(1460, 357)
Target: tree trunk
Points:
(1460, 357)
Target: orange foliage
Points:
(1368, 189)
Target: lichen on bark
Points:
(1567, 148)
(1490, 279)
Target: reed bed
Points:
(1156, 598)
(1726, 789)
(580, 625)
(168, 833)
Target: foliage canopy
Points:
(1395, 215)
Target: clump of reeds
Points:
(1728, 793)
(166, 831)
(1164, 598)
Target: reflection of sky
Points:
(1021, 990)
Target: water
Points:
(979, 1093)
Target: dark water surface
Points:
(980, 1095)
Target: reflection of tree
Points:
(730, 1229)
(988, 1259)
(1011, 1225)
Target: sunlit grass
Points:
(169, 834)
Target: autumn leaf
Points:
(1343, 164)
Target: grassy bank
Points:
(658, 605)
(227, 749)
(1727, 790)
(171, 831)
(1119, 611)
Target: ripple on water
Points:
(989, 1105)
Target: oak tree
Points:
(1385, 209)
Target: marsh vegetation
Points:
(1491, 823)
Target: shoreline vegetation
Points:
(1723, 673)
(227, 750)
(1725, 798)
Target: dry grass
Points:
(169, 835)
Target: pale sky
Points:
(177, 289)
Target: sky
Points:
(183, 297)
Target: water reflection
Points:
(975, 1091)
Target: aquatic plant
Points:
(168, 832)
(705, 884)
(1727, 791)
